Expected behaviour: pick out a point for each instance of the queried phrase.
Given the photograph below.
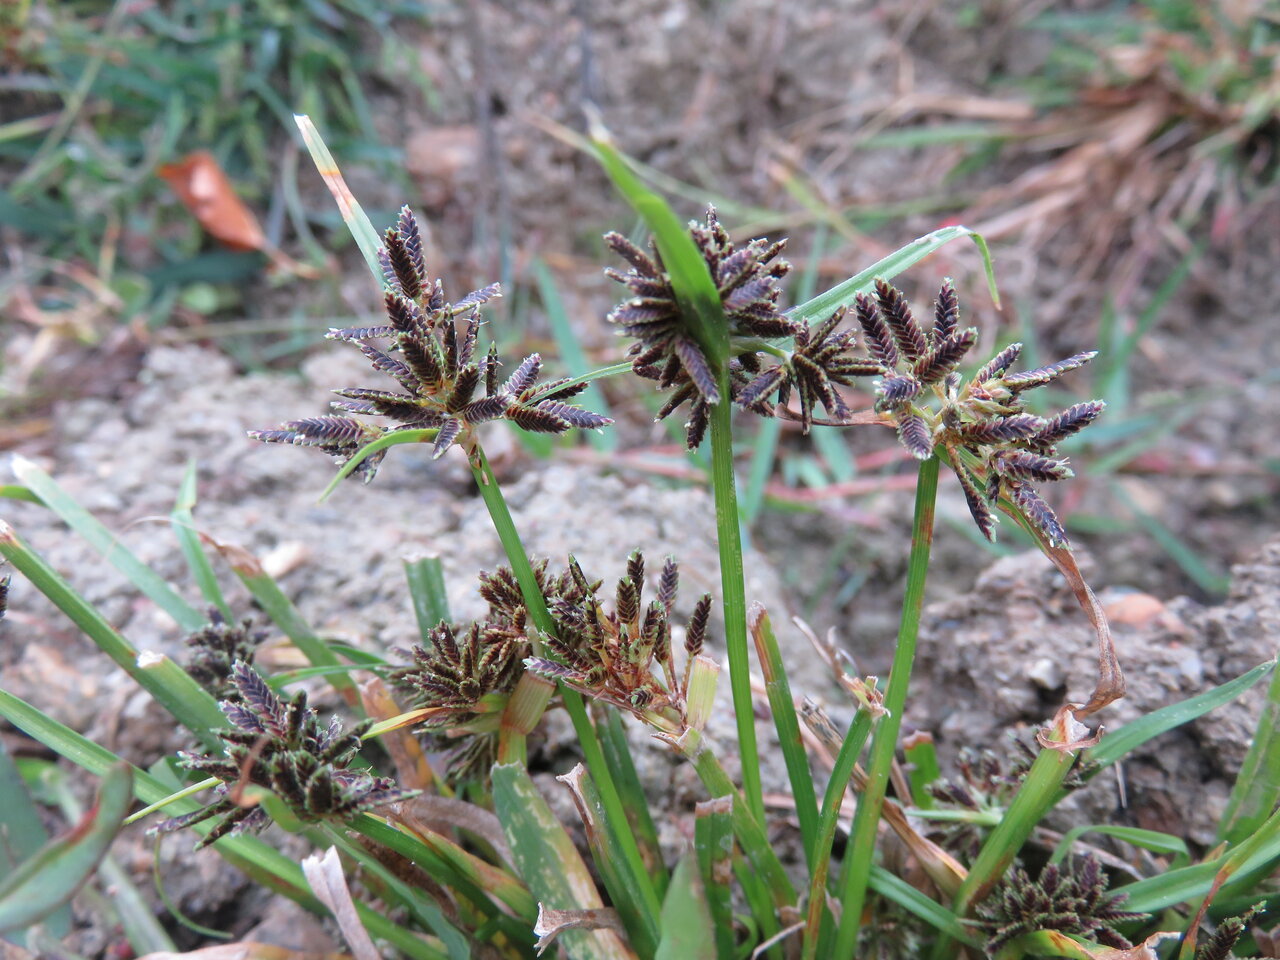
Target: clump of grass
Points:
(490, 870)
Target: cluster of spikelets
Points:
(446, 383)
(217, 647)
(995, 447)
(624, 656)
(1071, 899)
(281, 745)
(747, 281)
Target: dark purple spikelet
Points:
(978, 508)
(402, 311)
(436, 364)
(880, 340)
(1022, 465)
(668, 583)
(995, 430)
(448, 433)
(998, 364)
(524, 376)
(695, 366)
(696, 633)
(896, 390)
(1072, 420)
(898, 317)
(944, 356)
(914, 434)
(1038, 512)
(1046, 374)
(946, 312)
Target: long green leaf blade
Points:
(96, 534)
(687, 930)
(548, 862)
(184, 528)
(46, 881)
(174, 689)
(1117, 743)
(843, 294)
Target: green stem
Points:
(850, 748)
(1039, 790)
(536, 604)
(857, 869)
(734, 591)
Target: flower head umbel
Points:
(465, 675)
(216, 648)
(624, 656)
(746, 278)
(996, 448)
(1071, 899)
(282, 746)
(446, 382)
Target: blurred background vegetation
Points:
(1122, 157)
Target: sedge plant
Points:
(460, 854)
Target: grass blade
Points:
(857, 865)
(687, 928)
(626, 891)
(452, 867)
(842, 771)
(95, 533)
(140, 926)
(353, 215)
(184, 528)
(713, 841)
(892, 887)
(185, 699)
(1257, 786)
(549, 863)
(843, 294)
(1117, 743)
(43, 883)
(617, 754)
(787, 724)
(22, 833)
(1147, 839)
(428, 593)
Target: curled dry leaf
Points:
(551, 922)
(206, 191)
(1110, 683)
(324, 874)
(1066, 733)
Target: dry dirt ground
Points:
(736, 98)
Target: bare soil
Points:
(739, 100)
